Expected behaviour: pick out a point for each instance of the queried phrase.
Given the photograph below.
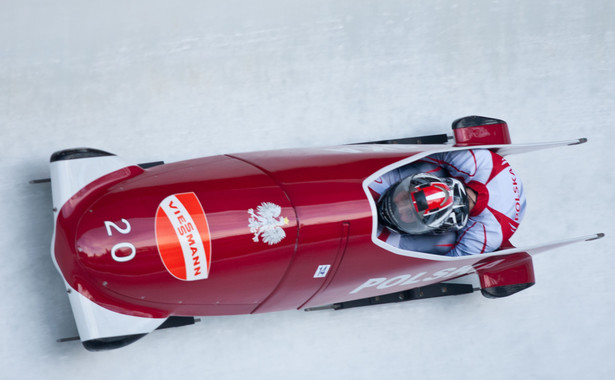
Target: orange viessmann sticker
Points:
(182, 236)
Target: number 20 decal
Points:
(119, 246)
(109, 225)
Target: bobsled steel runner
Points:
(41, 180)
(429, 291)
(139, 246)
(430, 139)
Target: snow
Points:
(169, 80)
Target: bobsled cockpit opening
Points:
(384, 234)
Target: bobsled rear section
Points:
(498, 274)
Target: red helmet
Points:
(429, 198)
(424, 203)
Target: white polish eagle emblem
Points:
(267, 223)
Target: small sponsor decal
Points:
(266, 223)
(322, 271)
(182, 237)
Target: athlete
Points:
(455, 203)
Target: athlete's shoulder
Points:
(482, 234)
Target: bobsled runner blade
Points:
(40, 180)
(442, 138)
(429, 291)
(70, 339)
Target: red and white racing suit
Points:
(500, 202)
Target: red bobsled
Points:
(142, 246)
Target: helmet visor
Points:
(423, 204)
(400, 210)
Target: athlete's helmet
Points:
(424, 204)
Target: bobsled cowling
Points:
(238, 234)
